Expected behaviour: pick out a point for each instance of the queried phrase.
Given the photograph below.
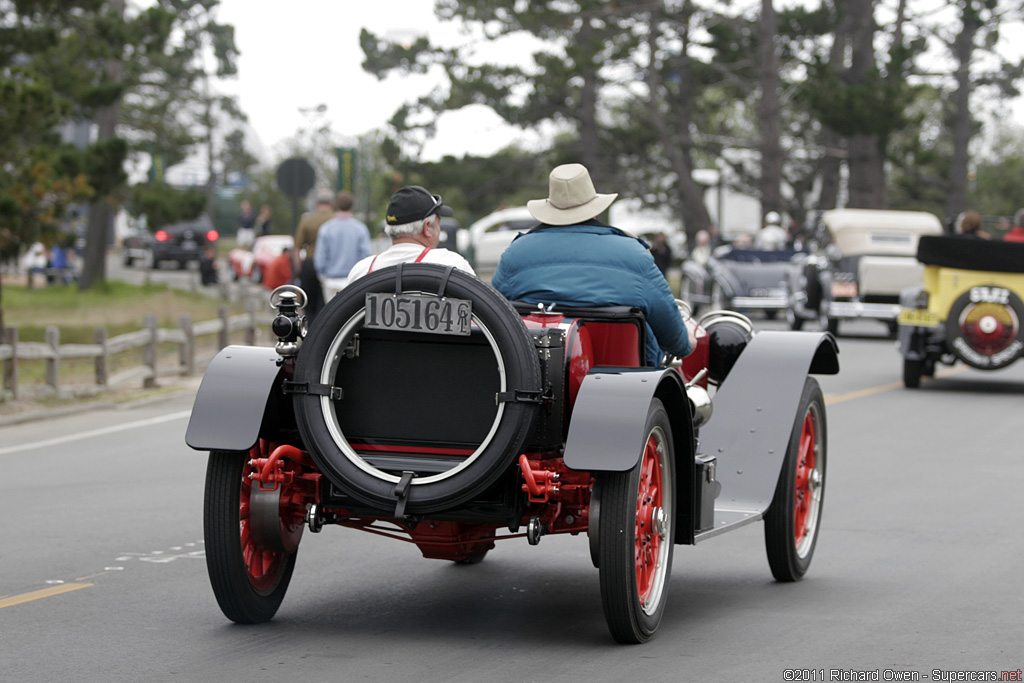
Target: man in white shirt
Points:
(414, 225)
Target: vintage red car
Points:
(423, 406)
(250, 264)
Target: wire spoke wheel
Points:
(635, 535)
(250, 549)
(792, 521)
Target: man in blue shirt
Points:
(341, 242)
(573, 259)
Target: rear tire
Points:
(635, 535)
(912, 371)
(793, 518)
(248, 582)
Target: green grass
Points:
(118, 306)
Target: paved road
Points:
(918, 567)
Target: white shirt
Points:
(408, 252)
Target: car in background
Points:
(486, 240)
(969, 307)
(739, 277)
(250, 264)
(179, 243)
(863, 259)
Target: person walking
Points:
(305, 249)
(341, 243)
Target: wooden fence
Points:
(154, 364)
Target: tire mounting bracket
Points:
(334, 393)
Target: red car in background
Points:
(251, 264)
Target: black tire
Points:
(341, 318)
(912, 371)
(128, 261)
(793, 519)
(771, 314)
(243, 596)
(832, 325)
(635, 556)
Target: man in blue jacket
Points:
(572, 259)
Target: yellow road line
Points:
(832, 399)
(44, 593)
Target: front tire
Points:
(249, 582)
(635, 535)
(793, 518)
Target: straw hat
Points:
(572, 198)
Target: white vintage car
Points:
(864, 259)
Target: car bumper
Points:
(760, 302)
(857, 309)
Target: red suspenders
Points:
(418, 259)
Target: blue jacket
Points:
(593, 265)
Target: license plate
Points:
(844, 289)
(416, 313)
(189, 244)
(918, 317)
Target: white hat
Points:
(572, 198)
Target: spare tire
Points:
(375, 408)
(984, 327)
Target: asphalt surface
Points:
(917, 570)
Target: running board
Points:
(727, 520)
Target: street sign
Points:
(295, 177)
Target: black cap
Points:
(414, 203)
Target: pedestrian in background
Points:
(279, 272)
(305, 249)
(263, 220)
(246, 234)
(970, 225)
(661, 252)
(341, 242)
(1016, 234)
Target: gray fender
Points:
(729, 282)
(754, 412)
(607, 423)
(232, 398)
(697, 273)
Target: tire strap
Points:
(398, 278)
(444, 281)
(402, 493)
(524, 396)
(334, 393)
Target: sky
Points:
(303, 53)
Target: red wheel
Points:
(635, 539)
(792, 520)
(251, 539)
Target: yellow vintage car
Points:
(968, 308)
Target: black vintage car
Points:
(178, 243)
(424, 407)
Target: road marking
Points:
(40, 594)
(832, 399)
(95, 432)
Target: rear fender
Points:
(755, 408)
(607, 423)
(232, 399)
